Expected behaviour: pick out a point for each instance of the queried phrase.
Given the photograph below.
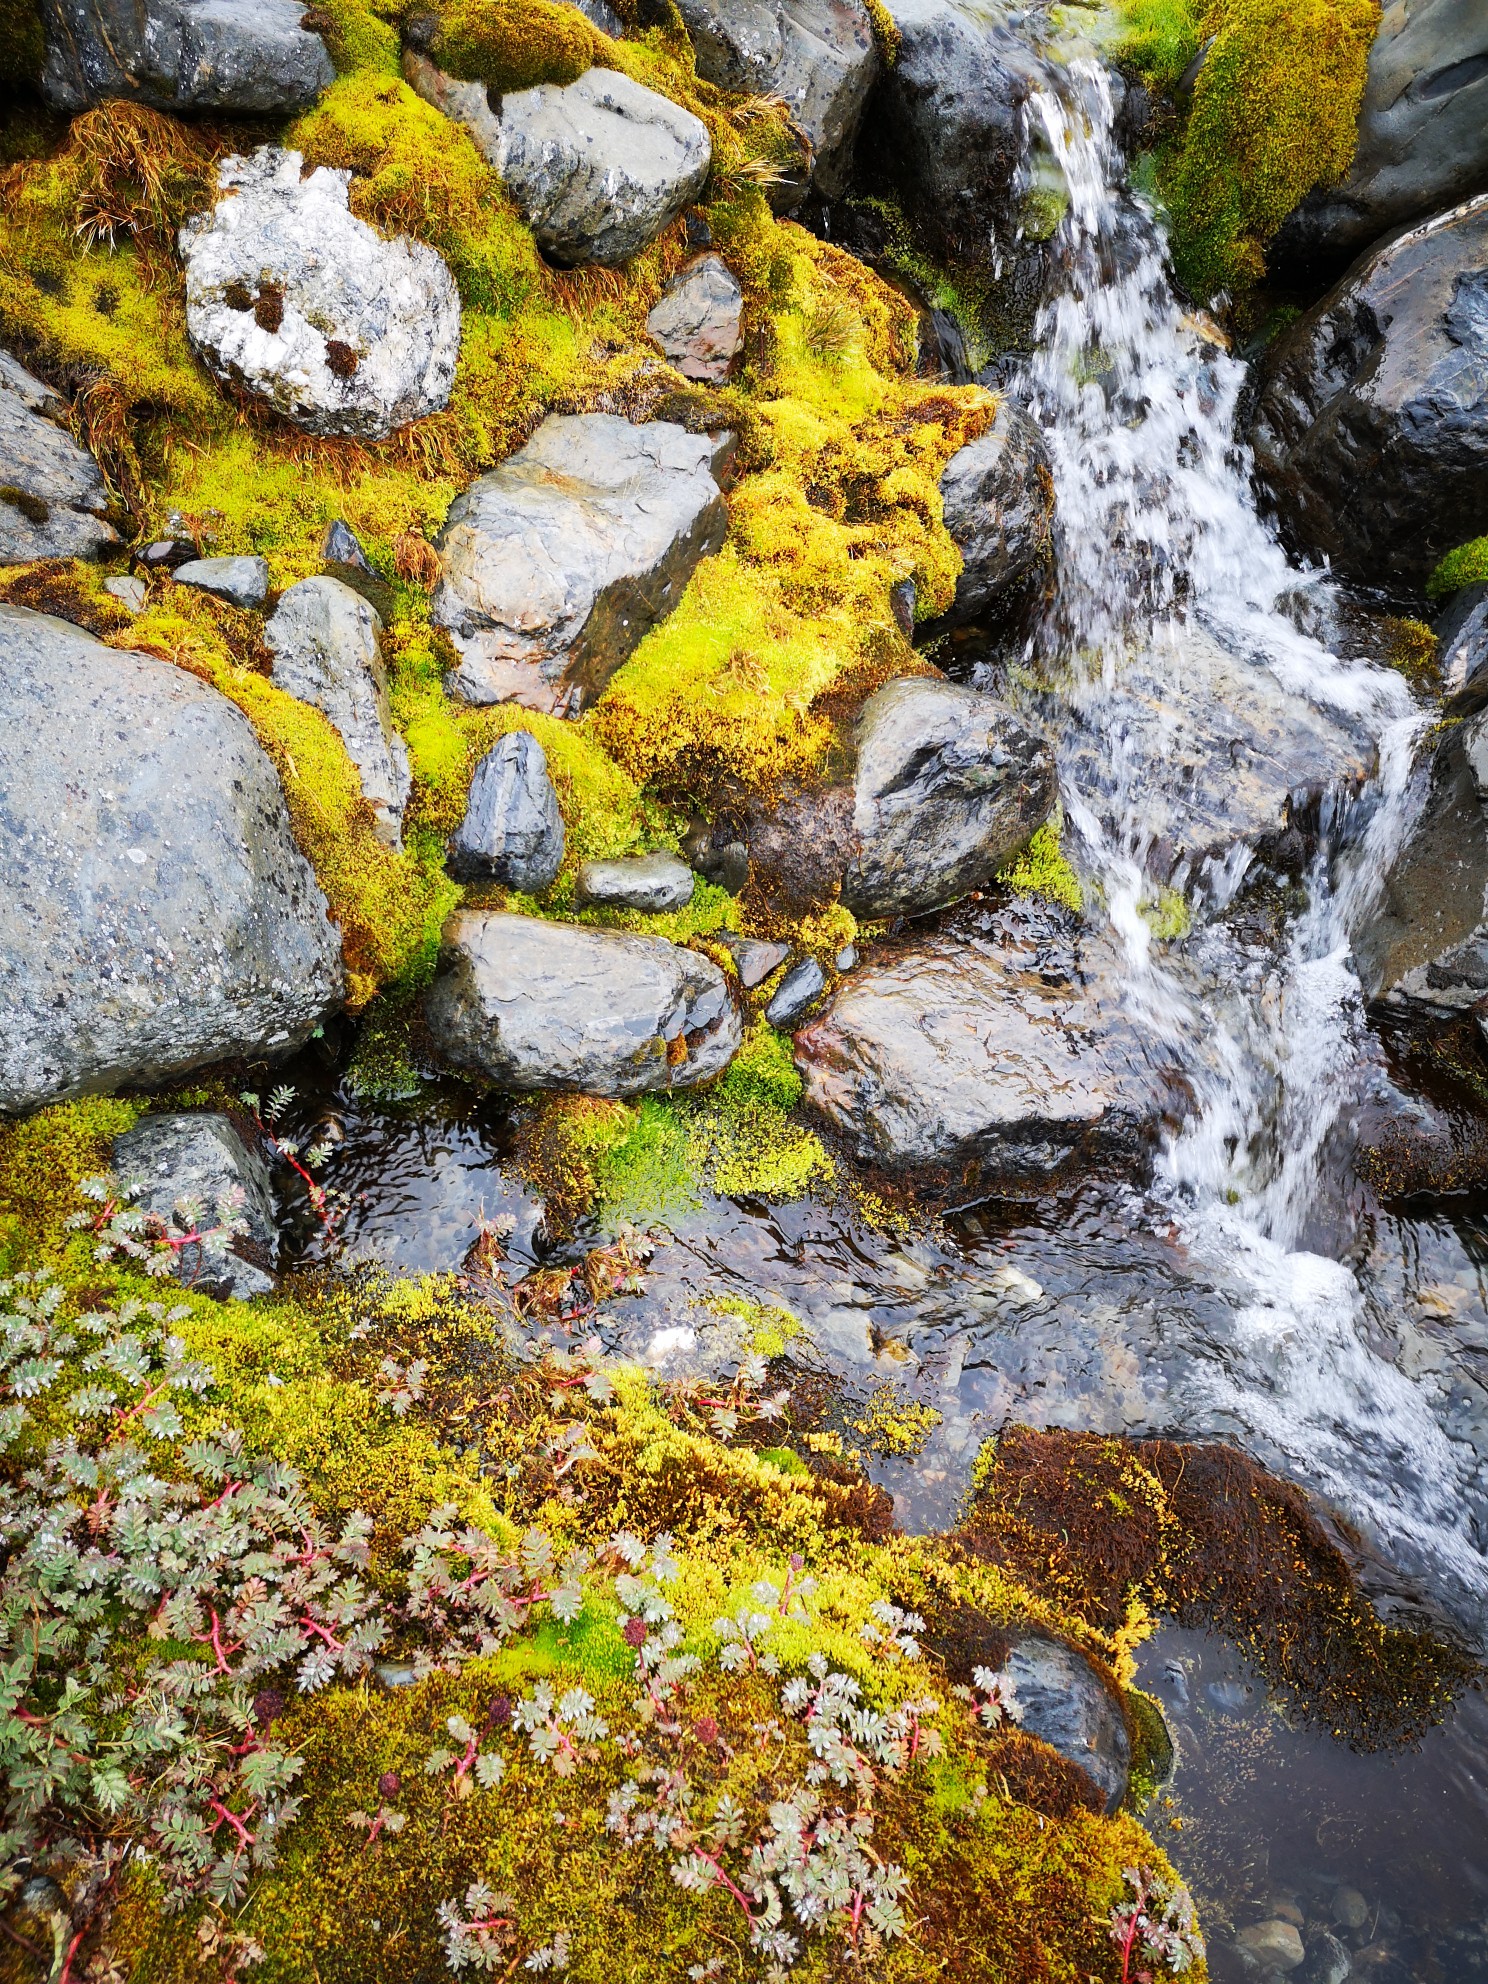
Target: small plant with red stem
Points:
(1156, 1929)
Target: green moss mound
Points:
(1466, 566)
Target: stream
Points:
(1251, 1290)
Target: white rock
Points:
(326, 651)
(290, 294)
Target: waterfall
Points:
(1160, 543)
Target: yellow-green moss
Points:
(516, 44)
(1043, 869)
(1466, 566)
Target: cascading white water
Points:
(1158, 530)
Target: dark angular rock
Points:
(1067, 1704)
(699, 322)
(512, 831)
(801, 986)
(342, 546)
(651, 883)
(52, 496)
(202, 1157)
(1371, 432)
(754, 959)
(240, 56)
(998, 495)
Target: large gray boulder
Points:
(597, 168)
(817, 56)
(52, 497)
(699, 321)
(290, 295)
(326, 643)
(246, 57)
(1067, 1703)
(557, 563)
(998, 498)
(949, 786)
(538, 1005)
(202, 1159)
(155, 912)
(1425, 942)
(1010, 1052)
(512, 831)
(1371, 431)
(1423, 130)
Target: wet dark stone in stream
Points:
(1068, 1705)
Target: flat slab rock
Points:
(52, 497)
(242, 56)
(1214, 752)
(558, 562)
(155, 912)
(202, 1158)
(1009, 1048)
(537, 1005)
(290, 295)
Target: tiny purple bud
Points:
(389, 1784)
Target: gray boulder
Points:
(1371, 431)
(651, 883)
(1067, 1704)
(754, 957)
(1462, 630)
(557, 563)
(818, 56)
(949, 786)
(1423, 130)
(52, 497)
(202, 1158)
(326, 644)
(597, 168)
(699, 322)
(998, 497)
(240, 581)
(538, 1005)
(1011, 1052)
(512, 831)
(155, 912)
(246, 57)
(290, 295)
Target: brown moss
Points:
(67, 589)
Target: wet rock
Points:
(558, 562)
(948, 786)
(699, 322)
(998, 493)
(1423, 132)
(512, 831)
(539, 1005)
(202, 1158)
(325, 640)
(1371, 431)
(1008, 1049)
(817, 56)
(1462, 630)
(293, 297)
(754, 959)
(947, 123)
(651, 883)
(241, 56)
(1274, 1943)
(1350, 1910)
(597, 168)
(1218, 756)
(155, 912)
(52, 497)
(240, 581)
(164, 554)
(1068, 1705)
(797, 992)
(1328, 1960)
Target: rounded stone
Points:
(1275, 1943)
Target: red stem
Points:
(72, 1950)
(245, 1838)
(716, 1864)
(312, 1626)
(215, 1637)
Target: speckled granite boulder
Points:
(155, 912)
(247, 57)
(292, 296)
(52, 497)
(537, 1005)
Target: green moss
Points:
(1466, 566)
(1168, 916)
(515, 44)
(1043, 869)
(771, 1329)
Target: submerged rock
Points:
(1010, 1050)
(155, 912)
(1423, 131)
(949, 785)
(998, 495)
(326, 645)
(512, 831)
(699, 322)
(650, 883)
(246, 57)
(52, 497)
(539, 1005)
(240, 581)
(1371, 431)
(558, 562)
(818, 56)
(1275, 1944)
(597, 168)
(202, 1158)
(290, 295)
(1068, 1705)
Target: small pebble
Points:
(1350, 1909)
(647, 882)
(240, 581)
(803, 983)
(341, 546)
(129, 592)
(846, 958)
